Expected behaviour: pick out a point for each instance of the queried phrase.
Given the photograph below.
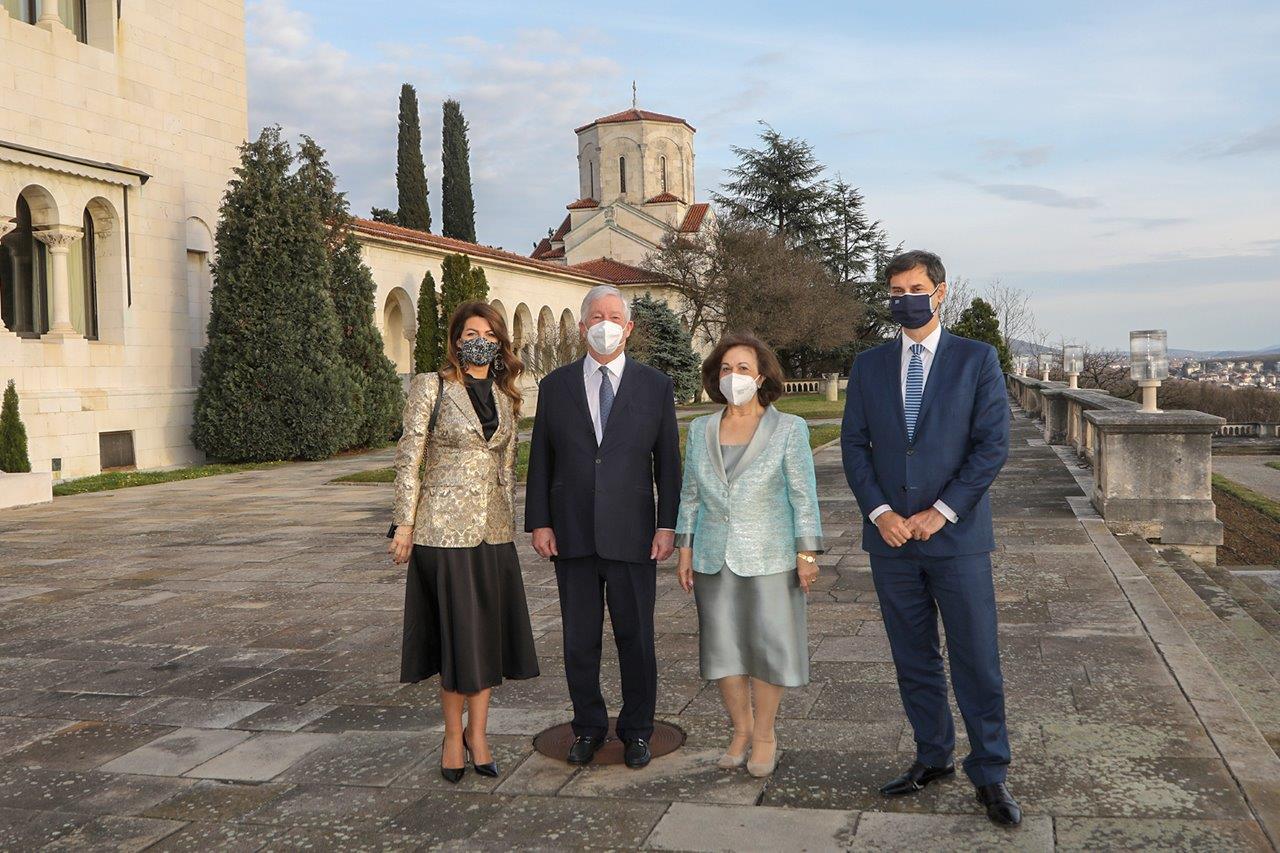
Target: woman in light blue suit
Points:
(748, 531)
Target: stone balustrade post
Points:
(831, 386)
(1153, 476)
(1054, 404)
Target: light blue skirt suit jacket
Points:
(751, 519)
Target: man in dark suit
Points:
(604, 433)
(926, 431)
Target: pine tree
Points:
(411, 172)
(352, 289)
(662, 343)
(460, 282)
(13, 435)
(457, 207)
(427, 348)
(779, 187)
(382, 214)
(979, 322)
(274, 384)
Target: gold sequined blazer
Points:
(455, 488)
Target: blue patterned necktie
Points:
(915, 389)
(606, 397)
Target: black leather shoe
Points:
(1002, 808)
(584, 749)
(637, 754)
(490, 769)
(451, 774)
(916, 777)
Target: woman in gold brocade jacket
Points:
(465, 615)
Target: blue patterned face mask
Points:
(478, 350)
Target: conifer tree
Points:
(460, 282)
(13, 435)
(979, 322)
(274, 384)
(427, 346)
(352, 289)
(411, 172)
(382, 214)
(662, 343)
(457, 207)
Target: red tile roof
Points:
(557, 252)
(475, 250)
(582, 203)
(662, 198)
(617, 272)
(693, 219)
(635, 115)
(540, 250)
(562, 230)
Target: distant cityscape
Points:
(1229, 373)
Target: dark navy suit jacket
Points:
(961, 442)
(599, 499)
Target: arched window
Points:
(82, 282)
(622, 174)
(24, 291)
(662, 163)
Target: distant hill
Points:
(1268, 354)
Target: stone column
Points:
(831, 386)
(50, 15)
(1152, 475)
(7, 224)
(58, 239)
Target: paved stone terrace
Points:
(212, 664)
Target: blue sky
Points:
(1119, 161)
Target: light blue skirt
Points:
(756, 626)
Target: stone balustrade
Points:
(1253, 430)
(1152, 471)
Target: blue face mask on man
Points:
(912, 310)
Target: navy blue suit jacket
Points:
(599, 499)
(961, 442)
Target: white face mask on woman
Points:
(604, 337)
(738, 388)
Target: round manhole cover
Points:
(555, 742)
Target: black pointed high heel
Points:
(490, 769)
(453, 775)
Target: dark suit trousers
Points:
(912, 590)
(630, 589)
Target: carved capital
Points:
(58, 237)
(6, 225)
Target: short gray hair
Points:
(599, 292)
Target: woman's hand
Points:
(806, 570)
(684, 569)
(401, 544)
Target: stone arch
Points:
(568, 325)
(546, 325)
(397, 329)
(45, 207)
(522, 331)
(497, 305)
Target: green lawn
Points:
(822, 433)
(127, 479)
(810, 405)
(1261, 503)
(1275, 465)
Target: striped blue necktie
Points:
(606, 397)
(915, 389)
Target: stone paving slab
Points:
(257, 614)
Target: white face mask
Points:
(738, 388)
(605, 337)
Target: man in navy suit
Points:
(926, 431)
(604, 434)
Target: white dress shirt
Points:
(591, 376)
(930, 347)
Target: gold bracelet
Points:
(807, 558)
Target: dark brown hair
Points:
(907, 261)
(506, 379)
(767, 362)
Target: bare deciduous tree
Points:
(553, 348)
(1013, 309)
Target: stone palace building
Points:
(119, 128)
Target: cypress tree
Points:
(662, 343)
(457, 207)
(411, 172)
(979, 322)
(13, 435)
(352, 289)
(460, 282)
(273, 385)
(381, 214)
(427, 346)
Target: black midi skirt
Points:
(466, 618)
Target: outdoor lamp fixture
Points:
(1072, 363)
(1149, 363)
(1046, 364)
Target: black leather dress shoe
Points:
(584, 749)
(1002, 808)
(637, 754)
(916, 777)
